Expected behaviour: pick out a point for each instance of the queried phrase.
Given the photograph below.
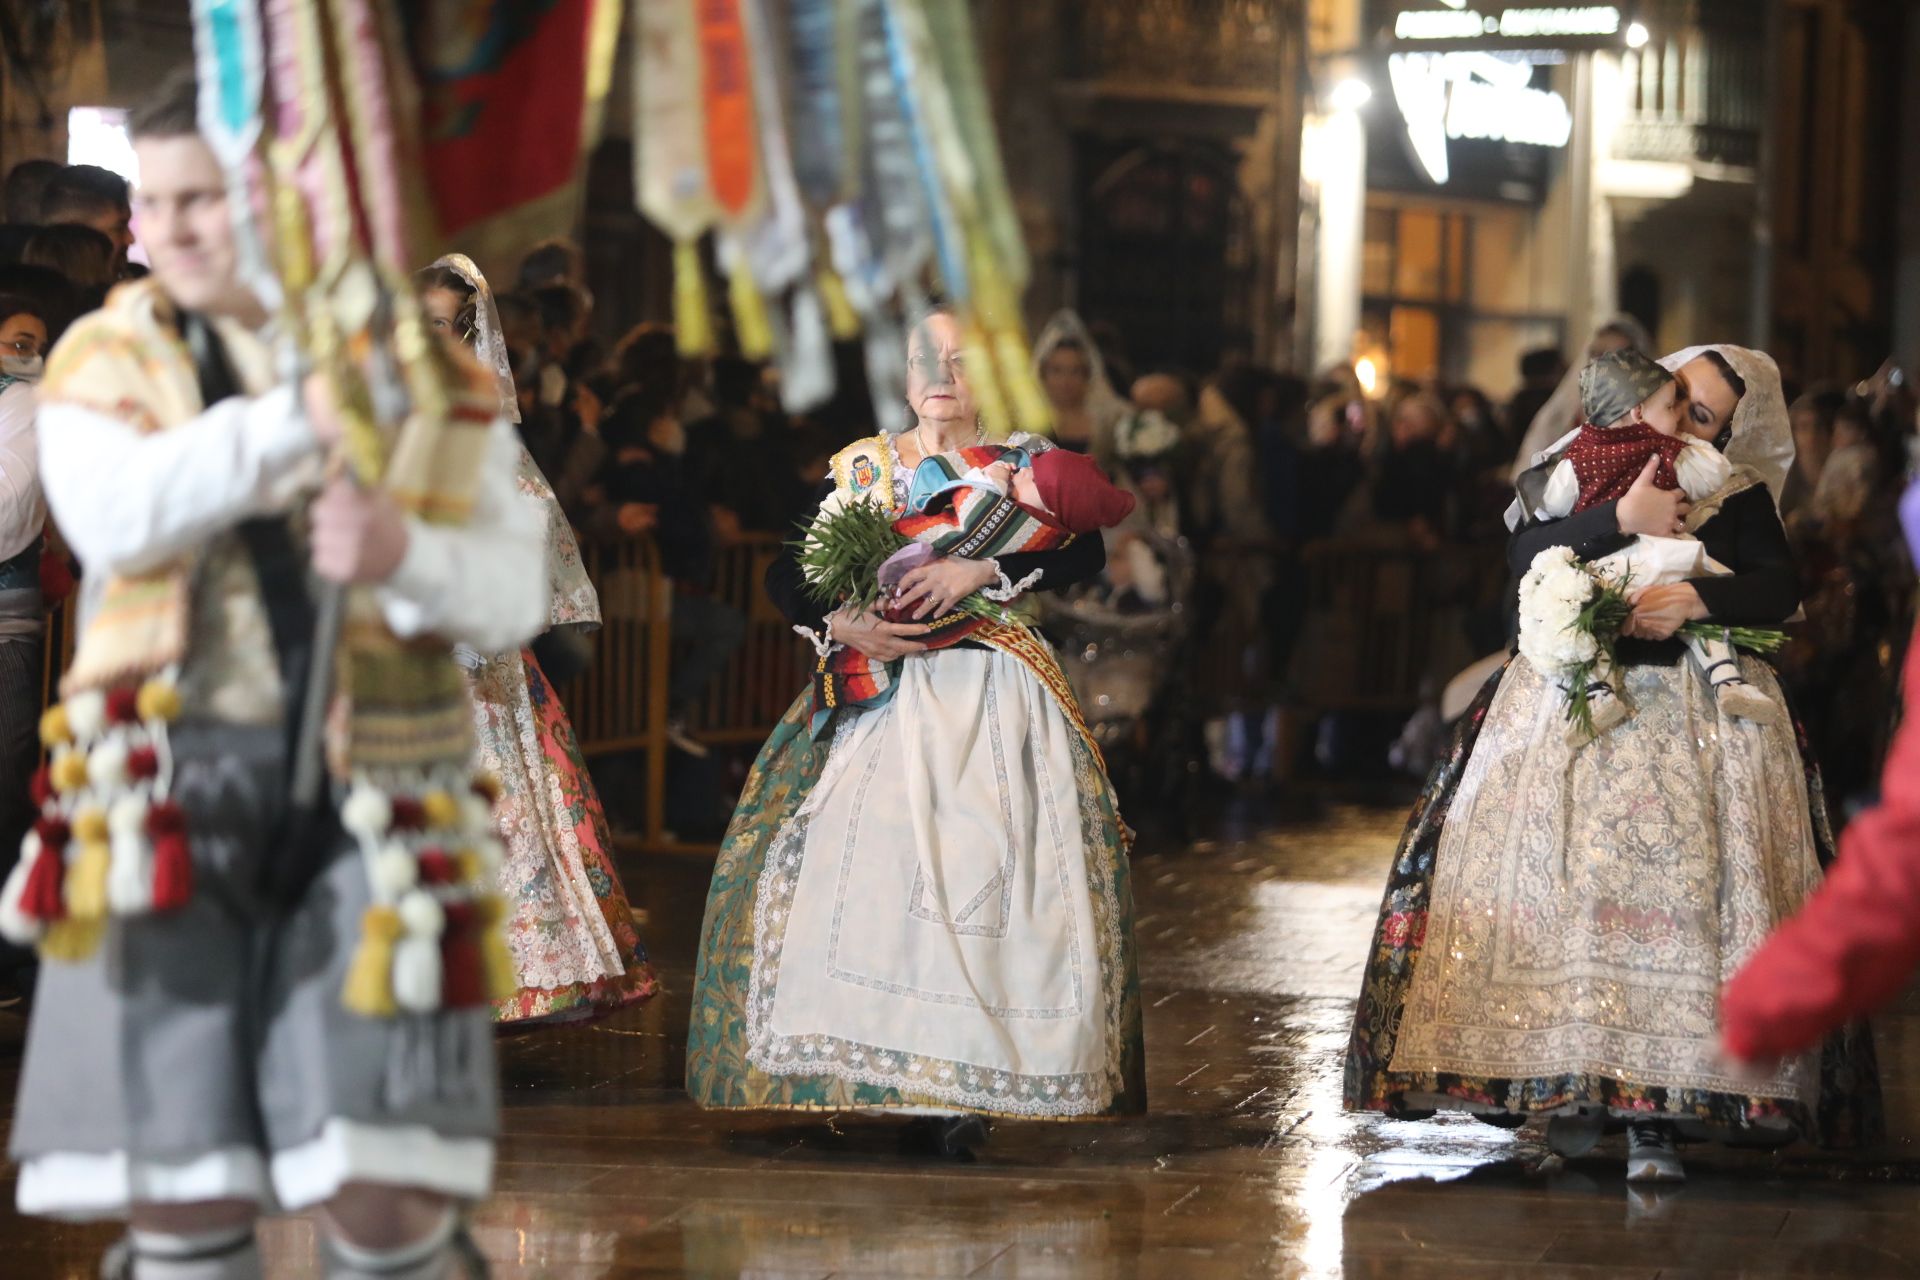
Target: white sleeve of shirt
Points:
(484, 583)
(23, 511)
(128, 502)
(1562, 491)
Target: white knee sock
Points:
(206, 1255)
(428, 1258)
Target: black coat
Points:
(1745, 535)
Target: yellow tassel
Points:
(440, 810)
(841, 317)
(369, 988)
(692, 321)
(750, 323)
(72, 940)
(158, 700)
(90, 826)
(502, 980)
(473, 871)
(487, 785)
(1031, 412)
(86, 883)
(55, 731)
(985, 383)
(69, 771)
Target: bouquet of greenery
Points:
(852, 555)
(1571, 616)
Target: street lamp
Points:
(1350, 94)
(1637, 35)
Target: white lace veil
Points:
(1104, 405)
(489, 344)
(1762, 433)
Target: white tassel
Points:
(15, 925)
(395, 871)
(416, 974)
(107, 764)
(422, 915)
(130, 874)
(128, 816)
(87, 715)
(476, 815)
(368, 813)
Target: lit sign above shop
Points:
(1449, 96)
(1458, 23)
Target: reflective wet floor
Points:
(1251, 949)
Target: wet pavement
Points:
(1251, 950)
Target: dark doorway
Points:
(1165, 251)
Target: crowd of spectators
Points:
(1247, 468)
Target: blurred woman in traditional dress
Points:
(568, 924)
(1086, 408)
(924, 908)
(1560, 915)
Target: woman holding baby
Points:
(1563, 908)
(922, 905)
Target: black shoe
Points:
(949, 1137)
(960, 1135)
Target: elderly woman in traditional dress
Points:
(924, 907)
(568, 923)
(1560, 916)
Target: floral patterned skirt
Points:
(731, 1043)
(568, 924)
(1835, 1096)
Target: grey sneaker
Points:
(1651, 1156)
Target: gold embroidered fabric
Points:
(1588, 904)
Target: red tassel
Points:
(463, 978)
(123, 705)
(53, 832)
(143, 763)
(172, 872)
(436, 867)
(166, 819)
(41, 787)
(408, 814)
(42, 898)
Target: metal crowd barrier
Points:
(1382, 625)
(1376, 627)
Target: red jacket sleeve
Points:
(1857, 939)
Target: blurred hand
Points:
(636, 518)
(357, 536)
(1651, 510)
(316, 395)
(667, 435)
(939, 586)
(587, 407)
(876, 638)
(1658, 612)
(727, 529)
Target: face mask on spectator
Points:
(26, 368)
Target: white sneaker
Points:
(1651, 1155)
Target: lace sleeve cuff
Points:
(1007, 589)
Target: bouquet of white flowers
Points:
(1571, 616)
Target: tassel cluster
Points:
(431, 938)
(108, 841)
